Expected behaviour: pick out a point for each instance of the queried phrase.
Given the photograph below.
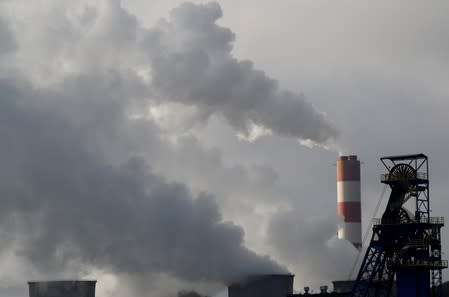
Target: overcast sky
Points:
(159, 146)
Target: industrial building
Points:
(403, 258)
(270, 285)
(404, 255)
(405, 246)
(62, 289)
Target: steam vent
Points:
(348, 199)
(62, 289)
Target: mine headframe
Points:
(405, 247)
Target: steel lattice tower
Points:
(406, 243)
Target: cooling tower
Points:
(348, 199)
(62, 289)
(270, 285)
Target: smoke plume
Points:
(63, 203)
(190, 294)
(311, 247)
(75, 187)
(192, 64)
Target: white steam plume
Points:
(191, 63)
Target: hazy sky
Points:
(159, 146)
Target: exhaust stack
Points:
(348, 199)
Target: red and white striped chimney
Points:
(348, 198)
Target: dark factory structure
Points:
(281, 285)
(405, 247)
(269, 285)
(62, 289)
(403, 258)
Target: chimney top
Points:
(348, 158)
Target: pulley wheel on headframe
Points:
(402, 173)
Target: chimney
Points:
(348, 199)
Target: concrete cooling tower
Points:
(62, 289)
(348, 199)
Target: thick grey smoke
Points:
(77, 188)
(62, 202)
(190, 294)
(7, 43)
(311, 247)
(191, 63)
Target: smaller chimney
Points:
(306, 290)
(323, 289)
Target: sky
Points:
(159, 146)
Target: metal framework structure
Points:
(405, 247)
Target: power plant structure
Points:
(403, 259)
(267, 285)
(349, 199)
(406, 241)
(69, 288)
